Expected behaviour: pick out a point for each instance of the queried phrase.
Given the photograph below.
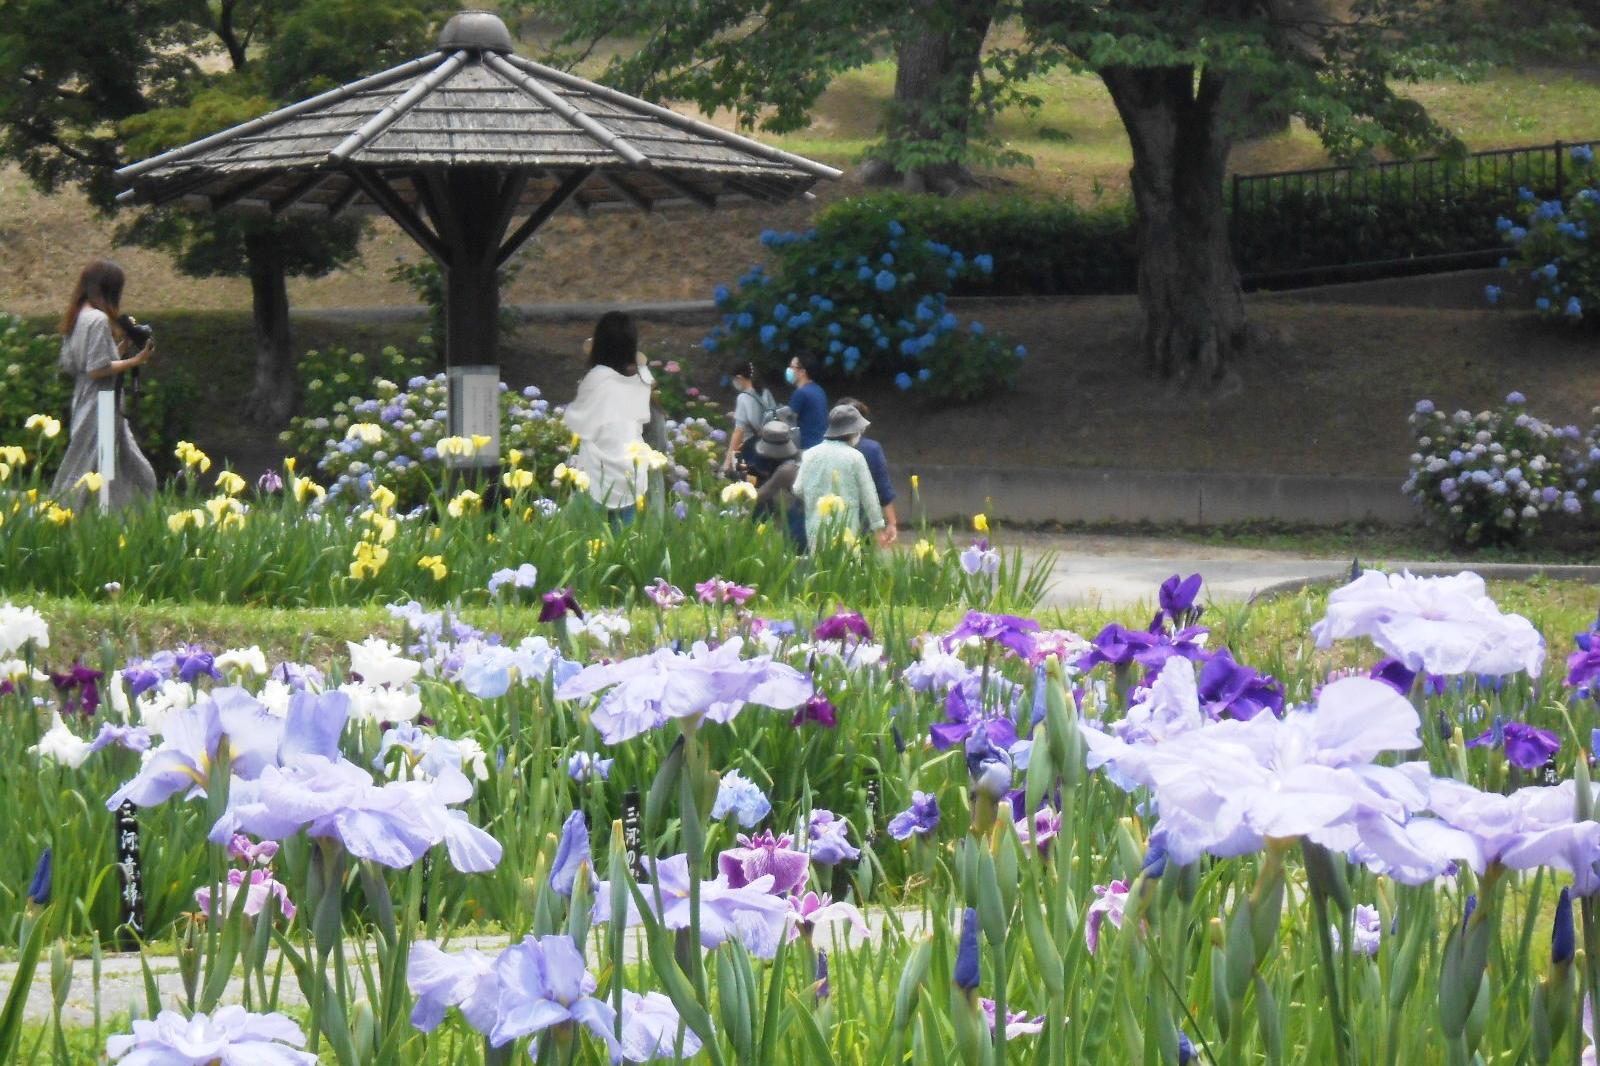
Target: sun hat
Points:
(776, 441)
(845, 421)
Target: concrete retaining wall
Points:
(1024, 494)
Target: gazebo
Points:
(470, 149)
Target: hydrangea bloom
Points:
(231, 1036)
(1444, 625)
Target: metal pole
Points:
(106, 440)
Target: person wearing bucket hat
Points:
(878, 463)
(835, 483)
(775, 467)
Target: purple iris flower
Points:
(990, 767)
(1118, 645)
(765, 855)
(714, 683)
(544, 981)
(827, 842)
(843, 624)
(1398, 676)
(1527, 747)
(1177, 595)
(749, 913)
(256, 739)
(572, 854)
(1007, 630)
(1583, 665)
(145, 674)
(80, 689)
(967, 962)
(1563, 937)
(269, 482)
(919, 819)
(586, 765)
(558, 603)
(818, 709)
(194, 662)
(393, 824)
(1230, 690)
(962, 720)
(39, 887)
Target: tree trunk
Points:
(936, 60)
(272, 398)
(1188, 284)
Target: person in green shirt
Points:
(836, 484)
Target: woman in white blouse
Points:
(608, 417)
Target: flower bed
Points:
(682, 817)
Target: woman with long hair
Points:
(609, 415)
(90, 353)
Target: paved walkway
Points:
(1124, 572)
(122, 987)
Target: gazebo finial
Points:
(479, 30)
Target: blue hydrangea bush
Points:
(870, 300)
(1497, 476)
(1552, 248)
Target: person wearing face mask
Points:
(809, 403)
(753, 408)
(834, 471)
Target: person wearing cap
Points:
(609, 414)
(878, 463)
(836, 469)
(775, 467)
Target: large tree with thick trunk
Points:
(1191, 77)
(87, 86)
(768, 61)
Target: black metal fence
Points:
(1346, 223)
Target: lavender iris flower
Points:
(440, 981)
(525, 576)
(765, 855)
(230, 1036)
(256, 739)
(544, 982)
(650, 1028)
(584, 766)
(145, 674)
(920, 819)
(1444, 625)
(991, 769)
(393, 824)
(1583, 665)
(739, 796)
(826, 839)
(1109, 904)
(713, 683)
(750, 914)
(572, 854)
(1367, 926)
(1532, 827)
(1231, 785)
(963, 720)
(133, 737)
(1527, 747)
(979, 558)
(195, 662)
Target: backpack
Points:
(769, 411)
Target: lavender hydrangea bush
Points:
(1500, 475)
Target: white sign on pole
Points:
(105, 431)
(475, 412)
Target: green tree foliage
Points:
(768, 61)
(87, 86)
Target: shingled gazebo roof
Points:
(473, 102)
